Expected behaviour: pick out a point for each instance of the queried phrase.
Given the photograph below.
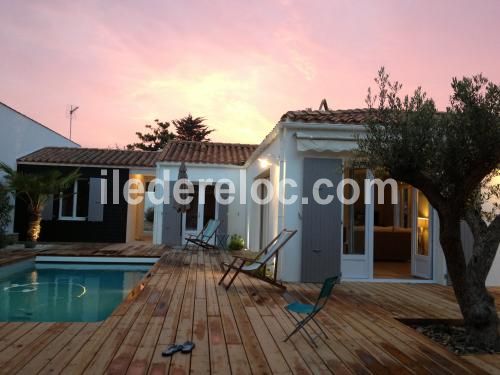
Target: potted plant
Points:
(236, 242)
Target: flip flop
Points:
(187, 347)
(172, 349)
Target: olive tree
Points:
(451, 157)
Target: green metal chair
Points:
(310, 310)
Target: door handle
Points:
(317, 251)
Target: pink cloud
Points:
(240, 64)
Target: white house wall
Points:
(19, 136)
(493, 278)
(253, 171)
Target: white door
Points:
(421, 260)
(357, 235)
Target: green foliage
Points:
(155, 139)
(445, 154)
(192, 129)
(35, 190)
(236, 242)
(5, 209)
(158, 135)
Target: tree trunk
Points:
(480, 317)
(476, 304)
(34, 226)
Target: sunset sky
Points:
(240, 64)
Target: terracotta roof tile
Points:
(207, 152)
(344, 116)
(92, 156)
(175, 151)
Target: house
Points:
(372, 241)
(82, 216)
(20, 135)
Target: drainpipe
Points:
(281, 194)
(282, 175)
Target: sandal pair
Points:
(187, 347)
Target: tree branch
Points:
(486, 241)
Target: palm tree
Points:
(35, 190)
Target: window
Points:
(73, 202)
(354, 215)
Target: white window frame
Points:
(75, 198)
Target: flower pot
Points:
(29, 244)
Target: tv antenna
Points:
(72, 110)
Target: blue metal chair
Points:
(310, 310)
(203, 238)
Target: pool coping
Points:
(95, 259)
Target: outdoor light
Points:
(264, 163)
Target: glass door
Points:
(357, 223)
(421, 236)
(200, 212)
(191, 223)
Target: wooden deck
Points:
(241, 330)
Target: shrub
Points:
(236, 242)
(5, 209)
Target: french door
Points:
(357, 234)
(421, 260)
(200, 212)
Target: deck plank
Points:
(240, 330)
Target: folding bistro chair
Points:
(203, 238)
(310, 310)
(251, 266)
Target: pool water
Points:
(64, 292)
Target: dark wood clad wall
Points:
(321, 224)
(112, 228)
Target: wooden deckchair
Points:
(203, 238)
(252, 266)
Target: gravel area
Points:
(451, 336)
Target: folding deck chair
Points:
(203, 238)
(251, 266)
(311, 310)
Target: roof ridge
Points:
(209, 142)
(355, 116)
(94, 149)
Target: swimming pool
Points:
(65, 292)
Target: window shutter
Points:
(48, 209)
(96, 208)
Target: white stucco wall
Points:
(254, 170)
(20, 135)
